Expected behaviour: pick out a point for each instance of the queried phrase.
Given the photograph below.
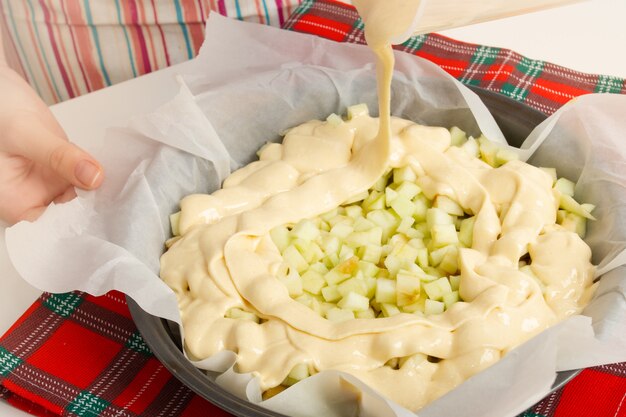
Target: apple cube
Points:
(299, 372)
(437, 289)
(565, 186)
(408, 189)
(305, 230)
(443, 235)
(450, 298)
(338, 315)
(371, 253)
(367, 314)
(389, 310)
(358, 110)
(403, 206)
(448, 205)
(404, 174)
(354, 302)
(313, 282)
(432, 307)
(354, 212)
(334, 276)
(294, 259)
(466, 232)
(355, 285)
(341, 230)
(471, 147)
(407, 288)
(331, 293)
(174, 223)
(293, 283)
(457, 136)
(237, 313)
(280, 237)
(568, 203)
(334, 120)
(455, 280)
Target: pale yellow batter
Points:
(225, 257)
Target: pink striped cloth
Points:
(66, 48)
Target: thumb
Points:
(70, 162)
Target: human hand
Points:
(38, 165)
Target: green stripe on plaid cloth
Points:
(79, 355)
(541, 85)
(93, 362)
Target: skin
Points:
(38, 164)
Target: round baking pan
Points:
(516, 121)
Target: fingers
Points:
(42, 145)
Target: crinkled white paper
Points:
(251, 82)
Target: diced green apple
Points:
(174, 223)
(237, 313)
(432, 307)
(443, 235)
(280, 237)
(575, 223)
(371, 253)
(449, 262)
(455, 280)
(565, 186)
(488, 151)
(466, 233)
(367, 314)
(471, 147)
(334, 277)
(504, 155)
(437, 289)
(457, 136)
(403, 206)
(437, 216)
(408, 189)
(389, 310)
(448, 205)
(355, 285)
(404, 174)
(385, 290)
(358, 110)
(313, 282)
(355, 212)
(569, 204)
(338, 315)
(354, 302)
(407, 287)
(292, 256)
(341, 230)
(450, 298)
(390, 195)
(293, 283)
(305, 230)
(334, 120)
(331, 293)
(369, 269)
(299, 372)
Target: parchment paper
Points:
(248, 84)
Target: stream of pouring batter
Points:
(385, 22)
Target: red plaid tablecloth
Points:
(78, 355)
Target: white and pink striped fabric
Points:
(66, 48)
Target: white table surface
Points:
(589, 37)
